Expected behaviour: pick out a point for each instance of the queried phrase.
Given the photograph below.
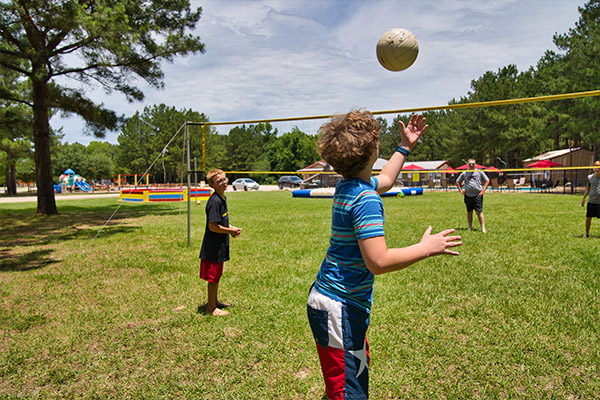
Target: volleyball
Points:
(397, 49)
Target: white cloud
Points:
(276, 59)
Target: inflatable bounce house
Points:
(164, 195)
(69, 181)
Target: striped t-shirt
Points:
(357, 214)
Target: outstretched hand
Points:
(414, 130)
(440, 243)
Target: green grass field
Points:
(516, 315)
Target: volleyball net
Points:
(569, 171)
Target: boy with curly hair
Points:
(340, 299)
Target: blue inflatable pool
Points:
(323, 193)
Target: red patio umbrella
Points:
(543, 164)
(466, 166)
(411, 167)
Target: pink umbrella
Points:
(543, 164)
(466, 166)
(412, 167)
(492, 168)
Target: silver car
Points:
(245, 184)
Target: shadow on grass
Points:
(22, 228)
(24, 262)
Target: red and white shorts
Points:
(340, 331)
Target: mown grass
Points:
(516, 315)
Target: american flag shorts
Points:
(340, 332)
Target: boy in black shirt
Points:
(215, 245)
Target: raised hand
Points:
(412, 132)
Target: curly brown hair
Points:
(348, 141)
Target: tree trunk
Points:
(11, 177)
(43, 162)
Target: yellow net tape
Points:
(421, 171)
(590, 93)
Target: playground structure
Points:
(157, 195)
(322, 193)
(70, 181)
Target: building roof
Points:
(430, 165)
(426, 165)
(552, 154)
(319, 166)
(379, 164)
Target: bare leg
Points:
(588, 223)
(481, 221)
(211, 305)
(470, 219)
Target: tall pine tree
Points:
(105, 42)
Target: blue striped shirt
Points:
(357, 214)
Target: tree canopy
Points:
(93, 42)
(144, 137)
(256, 147)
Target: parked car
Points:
(244, 183)
(289, 181)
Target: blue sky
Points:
(278, 59)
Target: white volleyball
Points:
(397, 49)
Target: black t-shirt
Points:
(215, 246)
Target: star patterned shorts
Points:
(340, 332)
